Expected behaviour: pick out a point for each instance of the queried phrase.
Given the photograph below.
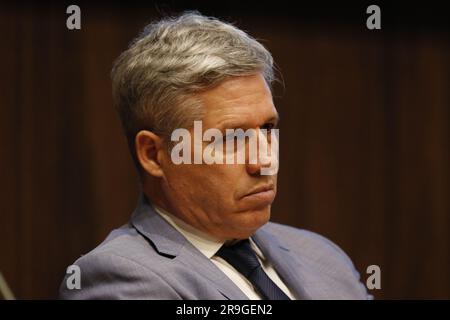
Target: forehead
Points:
(239, 102)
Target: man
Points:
(201, 230)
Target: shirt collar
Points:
(200, 240)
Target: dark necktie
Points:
(242, 257)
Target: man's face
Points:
(227, 201)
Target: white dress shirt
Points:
(209, 247)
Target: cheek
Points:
(207, 185)
(222, 180)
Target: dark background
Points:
(364, 134)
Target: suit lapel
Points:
(167, 241)
(289, 268)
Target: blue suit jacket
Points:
(149, 259)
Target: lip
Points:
(259, 199)
(261, 190)
(261, 196)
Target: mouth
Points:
(261, 196)
(260, 189)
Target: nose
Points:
(254, 169)
(266, 157)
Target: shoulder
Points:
(117, 269)
(124, 246)
(305, 241)
(321, 256)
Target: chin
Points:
(253, 220)
(262, 213)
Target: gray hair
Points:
(154, 82)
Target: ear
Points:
(148, 146)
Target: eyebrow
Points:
(234, 125)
